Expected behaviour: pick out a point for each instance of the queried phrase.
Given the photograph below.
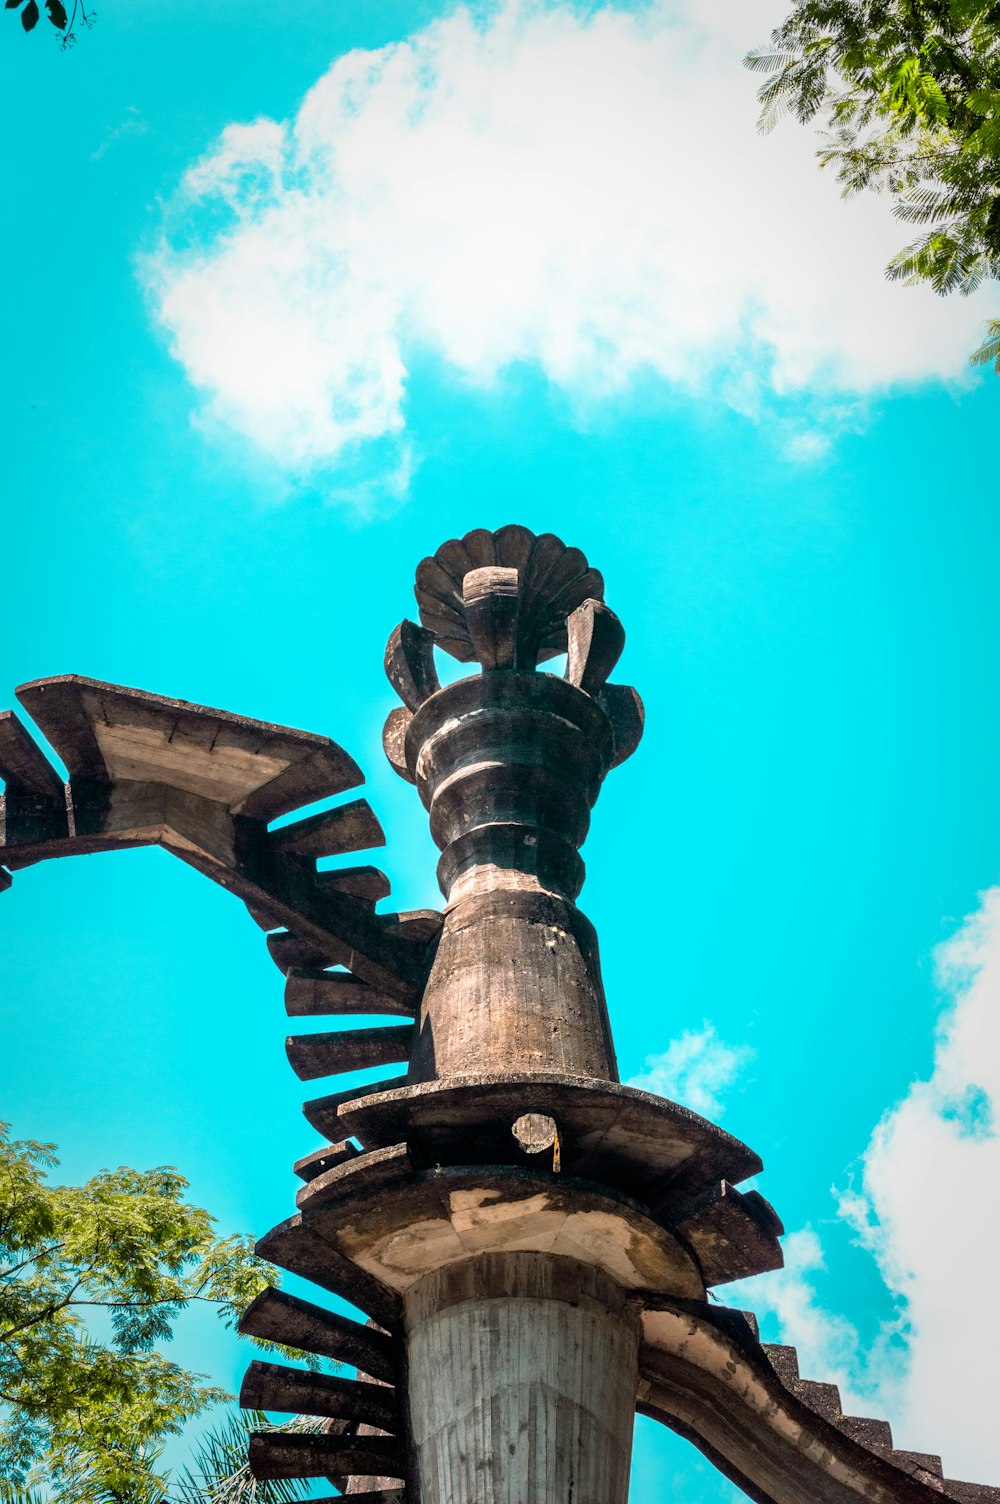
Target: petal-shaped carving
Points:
(409, 664)
(553, 580)
(513, 545)
(315, 1055)
(313, 993)
(367, 883)
(393, 740)
(623, 708)
(595, 641)
(479, 546)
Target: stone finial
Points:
(552, 580)
(509, 601)
(510, 761)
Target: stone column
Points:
(522, 1364)
(509, 763)
(523, 1379)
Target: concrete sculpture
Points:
(531, 1242)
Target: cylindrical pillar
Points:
(516, 985)
(522, 1374)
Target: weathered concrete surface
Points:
(652, 1149)
(515, 980)
(783, 1440)
(147, 770)
(277, 1316)
(396, 1224)
(296, 1391)
(522, 1383)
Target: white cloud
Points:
(928, 1209)
(579, 188)
(829, 1346)
(696, 1069)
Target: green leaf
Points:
(758, 59)
(988, 353)
(983, 101)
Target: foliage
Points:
(988, 352)
(92, 1278)
(55, 10)
(11, 1493)
(218, 1473)
(909, 91)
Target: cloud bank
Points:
(581, 189)
(928, 1209)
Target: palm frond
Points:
(12, 1493)
(766, 60)
(950, 262)
(218, 1472)
(988, 353)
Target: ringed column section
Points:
(509, 763)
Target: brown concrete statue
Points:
(532, 1242)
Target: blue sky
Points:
(532, 265)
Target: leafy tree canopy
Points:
(92, 1279)
(909, 93)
